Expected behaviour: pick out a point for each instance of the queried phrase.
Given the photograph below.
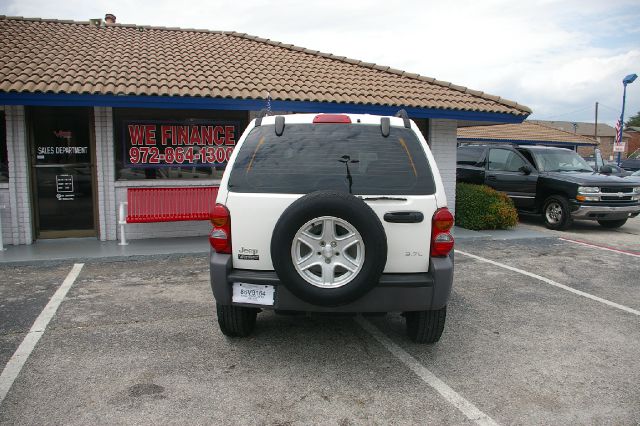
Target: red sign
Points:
(62, 133)
(200, 144)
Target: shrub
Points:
(480, 207)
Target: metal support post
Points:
(122, 221)
(624, 98)
(627, 80)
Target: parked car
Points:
(332, 213)
(554, 182)
(609, 167)
(614, 170)
(631, 164)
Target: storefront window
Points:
(4, 161)
(174, 144)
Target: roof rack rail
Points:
(405, 117)
(263, 113)
(485, 143)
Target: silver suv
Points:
(332, 213)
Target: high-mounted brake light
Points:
(220, 236)
(332, 118)
(441, 239)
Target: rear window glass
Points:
(469, 155)
(352, 158)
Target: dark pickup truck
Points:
(554, 182)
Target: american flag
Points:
(618, 127)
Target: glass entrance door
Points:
(62, 171)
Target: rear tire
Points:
(556, 213)
(236, 321)
(611, 224)
(426, 326)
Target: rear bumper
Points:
(394, 292)
(604, 212)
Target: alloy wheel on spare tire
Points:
(329, 248)
(556, 213)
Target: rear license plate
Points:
(253, 293)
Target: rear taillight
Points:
(332, 118)
(441, 238)
(220, 236)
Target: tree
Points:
(633, 121)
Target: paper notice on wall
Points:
(64, 183)
(64, 188)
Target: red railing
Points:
(145, 205)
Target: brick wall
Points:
(586, 151)
(442, 140)
(105, 173)
(606, 146)
(634, 141)
(5, 214)
(19, 220)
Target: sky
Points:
(557, 57)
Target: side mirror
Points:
(607, 170)
(526, 169)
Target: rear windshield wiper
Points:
(383, 198)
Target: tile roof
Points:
(581, 128)
(52, 56)
(525, 131)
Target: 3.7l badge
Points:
(412, 253)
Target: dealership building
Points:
(91, 109)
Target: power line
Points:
(616, 110)
(565, 114)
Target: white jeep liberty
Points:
(332, 213)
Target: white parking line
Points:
(15, 364)
(553, 283)
(601, 247)
(467, 408)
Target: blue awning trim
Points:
(175, 102)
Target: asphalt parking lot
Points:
(136, 341)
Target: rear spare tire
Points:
(329, 248)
